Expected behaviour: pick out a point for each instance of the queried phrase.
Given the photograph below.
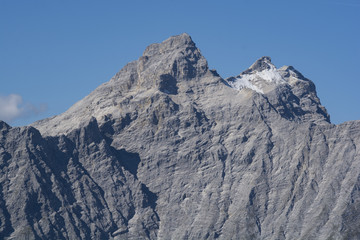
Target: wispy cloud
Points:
(13, 107)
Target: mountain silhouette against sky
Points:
(168, 149)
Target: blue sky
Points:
(53, 53)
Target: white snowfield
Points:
(259, 79)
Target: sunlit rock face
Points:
(168, 149)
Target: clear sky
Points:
(53, 53)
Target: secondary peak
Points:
(261, 64)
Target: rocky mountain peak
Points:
(169, 150)
(176, 57)
(181, 41)
(174, 71)
(4, 127)
(262, 76)
(174, 66)
(263, 63)
(293, 95)
(290, 71)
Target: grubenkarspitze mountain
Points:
(167, 149)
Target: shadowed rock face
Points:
(167, 149)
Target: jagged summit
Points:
(175, 69)
(175, 42)
(263, 76)
(263, 63)
(175, 59)
(291, 71)
(4, 126)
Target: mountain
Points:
(168, 149)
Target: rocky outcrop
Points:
(167, 149)
(71, 187)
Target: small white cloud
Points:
(13, 107)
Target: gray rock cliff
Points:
(167, 149)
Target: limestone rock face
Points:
(167, 149)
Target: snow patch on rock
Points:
(258, 79)
(245, 82)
